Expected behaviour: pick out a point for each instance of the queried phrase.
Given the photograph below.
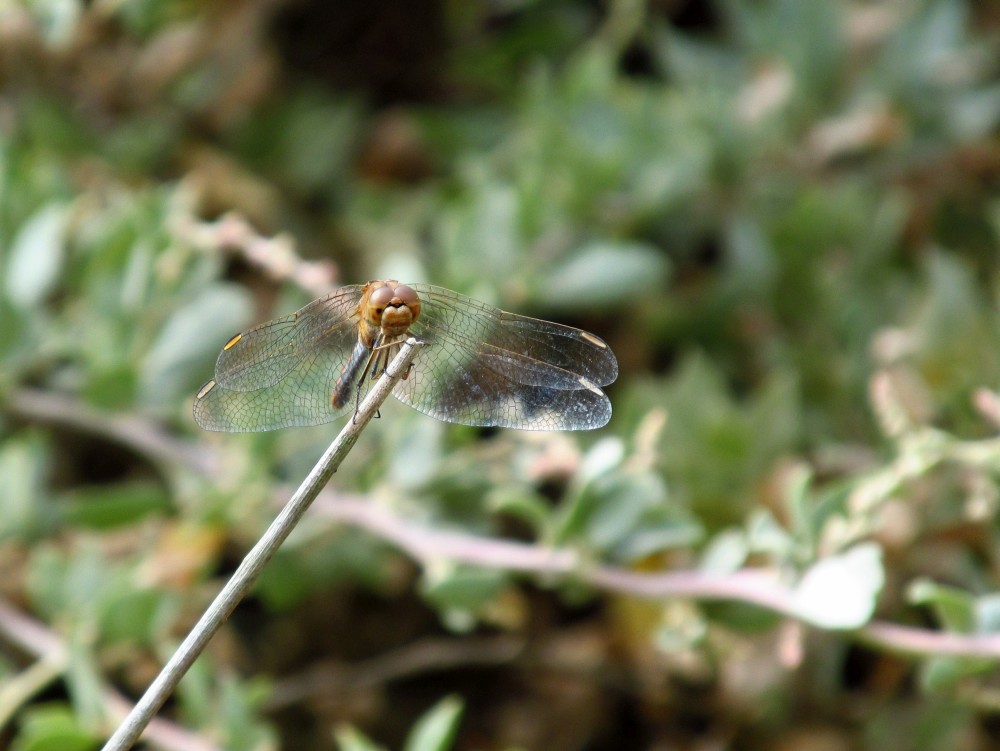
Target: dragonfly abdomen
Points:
(349, 375)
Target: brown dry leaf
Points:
(182, 553)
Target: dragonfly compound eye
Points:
(377, 302)
(408, 296)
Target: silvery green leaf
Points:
(36, 256)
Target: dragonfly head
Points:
(392, 307)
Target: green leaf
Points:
(111, 388)
(52, 727)
(623, 500)
(57, 20)
(976, 113)
(12, 339)
(714, 448)
(285, 582)
(802, 510)
(240, 712)
(191, 337)
(138, 616)
(841, 591)
(36, 256)
(694, 62)
(299, 569)
(521, 503)
(462, 587)
(988, 614)
(195, 691)
(741, 616)
(765, 534)
(725, 553)
(625, 516)
(414, 453)
(954, 608)
(602, 457)
(605, 274)
(24, 508)
(751, 269)
(436, 730)
(660, 530)
(83, 677)
(106, 507)
(949, 329)
(939, 674)
(350, 738)
(487, 221)
(680, 637)
(76, 584)
(307, 141)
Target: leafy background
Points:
(783, 216)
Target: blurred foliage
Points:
(782, 216)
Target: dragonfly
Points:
(478, 365)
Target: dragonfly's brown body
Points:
(385, 313)
(479, 366)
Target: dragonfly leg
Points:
(372, 361)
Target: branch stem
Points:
(245, 576)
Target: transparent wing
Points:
(554, 346)
(484, 366)
(282, 373)
(264, 355)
